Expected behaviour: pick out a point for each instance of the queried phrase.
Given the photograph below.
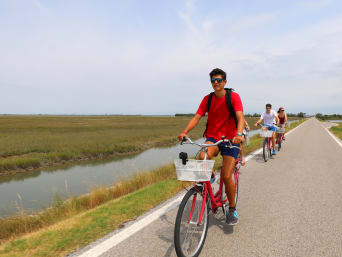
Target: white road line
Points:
(294, 129)
(124, 234)
(251, 155)
(129, 231)
(334, 137)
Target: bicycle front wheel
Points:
(265, 151)
(189, 236)
(236, 181)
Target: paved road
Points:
(289, 206)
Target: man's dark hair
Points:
(269, 105)
(218, 71)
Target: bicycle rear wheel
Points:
(279, 142)
(265, 151)
(189, 237)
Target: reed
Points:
(60, 209)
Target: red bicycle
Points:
(266, 145)
(280, 136)
(192, 221)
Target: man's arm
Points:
(241, 123)
(258, 122)
(192, 123)
(246, 125)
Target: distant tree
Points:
(301, 114)
(319, 116)
(256, 115)
(184, 114)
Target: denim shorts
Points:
(273, 128)
(224, 148)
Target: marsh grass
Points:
(32, 141)
(29, 142)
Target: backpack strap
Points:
(229, 104)
(228, 100)
(209, 103)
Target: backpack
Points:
(228, 101)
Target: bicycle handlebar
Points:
(185, 139)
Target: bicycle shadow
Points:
(260, 158)
(166, 234)
(219, 220)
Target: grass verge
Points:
(337, 130)
(83, 229)
(75, 223)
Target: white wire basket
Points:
(194, 170)
(280, 130)
(266, 133)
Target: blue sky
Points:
(153, 57)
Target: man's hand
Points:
(237, 140)
(181, 136)
(247, 127)
(256, 124)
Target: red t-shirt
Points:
(220, 123)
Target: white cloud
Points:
(123, 71)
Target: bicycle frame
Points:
(280, 137)
(215, 200)
(268, 139)
(269, 142)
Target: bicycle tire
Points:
(265, 150)
(236, 181)
(183, 209)
(279, 142)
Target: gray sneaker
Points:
(232, 217)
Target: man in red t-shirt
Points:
(221, 123)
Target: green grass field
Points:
(337, 130)
(79, 221)
(29, 142)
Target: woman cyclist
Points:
(282, 118)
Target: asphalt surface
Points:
(289, 206)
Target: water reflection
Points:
(38, 189)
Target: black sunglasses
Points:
(218, 80)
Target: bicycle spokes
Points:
(193, 224)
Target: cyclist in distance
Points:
(221, 122)
(282, 118)
(270, 118)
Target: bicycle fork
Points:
(204, 202)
